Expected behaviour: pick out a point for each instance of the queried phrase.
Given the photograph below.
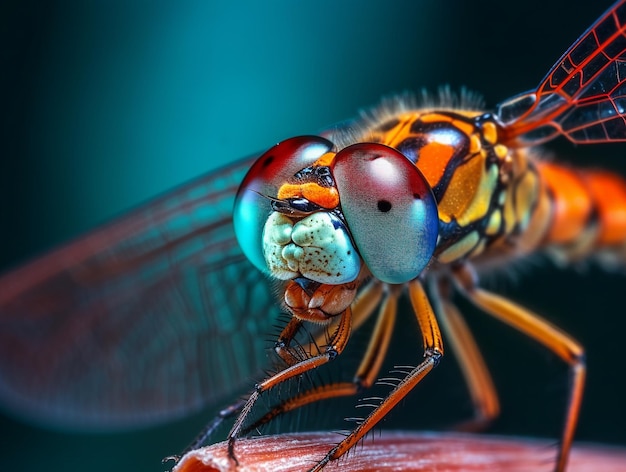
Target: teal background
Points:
(106, 104)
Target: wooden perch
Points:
(406, 451)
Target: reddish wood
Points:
(405, 451)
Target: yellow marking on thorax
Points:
(490, 132)
(526, 194)
(459, 249)
(469, 193)
(495, 221)
(501, 151)
(475, 145)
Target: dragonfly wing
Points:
(583, 97)
(145, 319)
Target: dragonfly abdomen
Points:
(587, 213)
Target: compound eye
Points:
(265, 177)
(389, 208)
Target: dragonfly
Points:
(71, 316)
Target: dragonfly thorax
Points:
(474, 176)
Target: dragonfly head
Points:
(326, 219)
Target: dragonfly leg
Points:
(283, 348)
(370, 365)
(473, 367)
(224, 414)
(542, 331)
(433, 351)
(362, 308)
(334, 348)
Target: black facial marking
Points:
(294, 206)
(325, 178)
(318, 174)
(302, 204)
(384, 206)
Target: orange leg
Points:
(362, 308)
(550, 336)
(471, 362)
(283, 348)
(433, 350)
(369, 366)
(299, 367)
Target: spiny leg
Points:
(433, 350)
(542, 331)
(282, 347)
(289, 355)
(336, 346)
(370, 364)
(202, 437)
(475, 372)
(362, 308)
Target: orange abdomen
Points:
(588, 208)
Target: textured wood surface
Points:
(398, 451)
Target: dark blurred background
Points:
(107, 104)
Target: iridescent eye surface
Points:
(265, 177)
(389, 208)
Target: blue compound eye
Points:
(389, 208)
(265, 177)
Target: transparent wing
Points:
(142, 320)
(583, 97)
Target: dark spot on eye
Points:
(417, 196)
(267, 161)
(384, 206)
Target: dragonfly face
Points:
(311, 214)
